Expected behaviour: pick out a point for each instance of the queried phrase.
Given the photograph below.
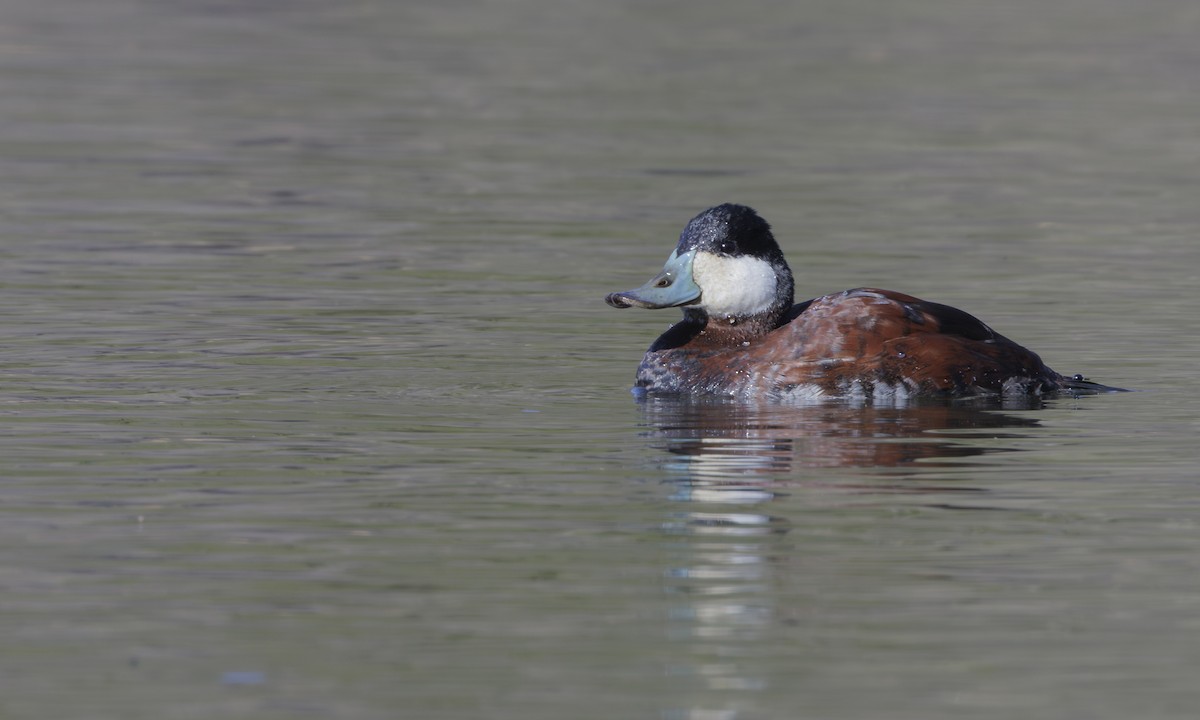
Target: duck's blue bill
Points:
(670, 288)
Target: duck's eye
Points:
(664, 282)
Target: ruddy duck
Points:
(741, 336)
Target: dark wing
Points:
(869, 335)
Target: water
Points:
(313, 407)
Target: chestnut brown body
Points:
(868, 342)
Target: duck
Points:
(742, 335)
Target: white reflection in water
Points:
(723, 580)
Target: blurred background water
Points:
(313, 408)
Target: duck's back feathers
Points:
(859, 342)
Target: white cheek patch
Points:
(739, 286)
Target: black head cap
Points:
(731, 230)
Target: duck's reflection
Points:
(727, 463)
(725, 441)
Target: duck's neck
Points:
(733, 330)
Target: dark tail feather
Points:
(1080, 384)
